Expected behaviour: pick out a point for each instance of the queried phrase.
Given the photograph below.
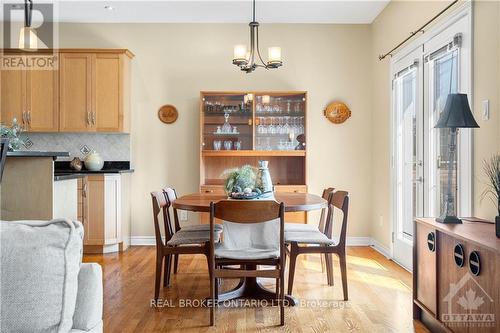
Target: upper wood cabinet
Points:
(89, 92)
(94, 89)
(13, 100)
(31, 96)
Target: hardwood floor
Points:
(379, 297)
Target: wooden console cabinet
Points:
(455, 276)
(266, 126)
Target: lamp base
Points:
(449, 220)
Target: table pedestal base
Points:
(250, 288)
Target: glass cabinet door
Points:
(280, 122)
(227, 122)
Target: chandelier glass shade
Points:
(249, 60)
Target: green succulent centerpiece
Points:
(12, 133)
(239, 183)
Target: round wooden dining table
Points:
(249, 287)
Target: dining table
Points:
(250, 287)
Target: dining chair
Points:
(171, 195)
(4, 147)
(320, 241)
(253, 235)
(176, 242)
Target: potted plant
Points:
(240, 180)
(491, 168)
(12, 133)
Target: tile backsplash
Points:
(111, 147)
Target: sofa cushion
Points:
(88, 310)
(40, 261)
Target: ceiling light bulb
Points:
(28, 39)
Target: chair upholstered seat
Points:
(290, 227)
(245, 254)
(183, 237)
(201, 227)
(308, 237)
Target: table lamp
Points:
(456, 114)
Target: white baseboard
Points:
(377, 246)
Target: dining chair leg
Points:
(282, 295)
(212, 298)
(322, 263)
(343, 271)
(166, 270)
(159, 261)
(176, 262)
(329, 268)
(291, 269)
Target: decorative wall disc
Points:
(337, 112)
(168, 114)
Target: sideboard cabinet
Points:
(238, 128)
(455, 272)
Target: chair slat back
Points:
(4, 147)
(171, 195)
(324, 212)
(160, 207)
(255, 211)
(339, 200)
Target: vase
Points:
(497, 226)
(94, 161)
(264, 181)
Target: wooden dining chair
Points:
(171, 195)
(248, 257)
(320, 241)
(180, 242)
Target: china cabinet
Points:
(238, 128)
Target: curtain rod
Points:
(421, 29)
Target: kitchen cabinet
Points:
(94, 91)
(13, 101)
(30, 96)
(101, 211)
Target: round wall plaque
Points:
(168, 114)
(337, 112)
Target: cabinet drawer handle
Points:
(209, 191)
(475, 263)
(431, 241)
(458, 255)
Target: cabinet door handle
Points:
(93, 118)
(29, 117)
(88, 118)
(24, 120)
(84, 190)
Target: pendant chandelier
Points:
(248, 61)
(28, 40)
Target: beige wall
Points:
(392, 26)
(175, 61)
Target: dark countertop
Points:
(27, 153)
(62, 168)
(66, 176)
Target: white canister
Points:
(94, 161)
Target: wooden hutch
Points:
(238, 128)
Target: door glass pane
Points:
(405, 97)
(445, 82)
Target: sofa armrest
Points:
(88, 310)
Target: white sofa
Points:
(45, 287)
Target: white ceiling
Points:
(225, 11)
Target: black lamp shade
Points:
(456, 113)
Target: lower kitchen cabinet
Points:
(105, 220)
